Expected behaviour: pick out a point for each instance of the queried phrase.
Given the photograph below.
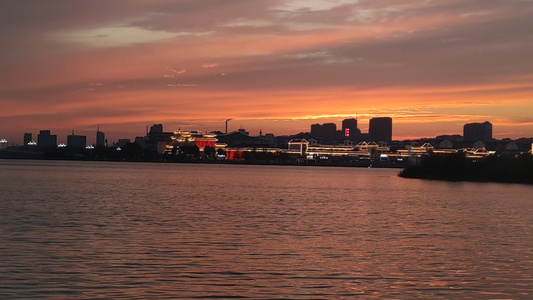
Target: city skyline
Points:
(348, 130)
(275, 66)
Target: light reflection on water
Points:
(78, 230)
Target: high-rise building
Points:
(349, 128)
(76, 141)
(316, 130)
(27, 138)
(156, 128)
(100, 139)
(329, 131)
(380, 129)
(46, 140)
(478, 132)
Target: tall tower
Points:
(380, 129)
(349, 128)
(100, 138)
(27, 138)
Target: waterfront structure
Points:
(446, 144)
(27, 139)
(478, 132)
(185, 139)
(241, 139)
(199, 139)
(380, 129)
(313, 140)
(299, 145)
(46, 140)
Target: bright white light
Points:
(89, 147)
(61, 146)
(118, 149)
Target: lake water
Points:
(103, 230)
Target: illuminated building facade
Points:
(349, 129)
(197, 138)
(299, 146)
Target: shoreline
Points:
(458, 168)
(359, 164)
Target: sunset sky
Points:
(274, 65)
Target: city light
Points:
(32, 143)
(61, 146)
(89, 147)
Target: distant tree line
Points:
(458, 167)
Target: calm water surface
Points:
(96, 230)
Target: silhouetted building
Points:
(450, 137)
(349, 126)
(349, 129)
(100, 139)
(380, 129)
(478, 132)
(327, 131)
(156, 128)
(240, 139)
(76, 141)
(316, 130)
(123, 142)
(46, 140)
(27, 138)
(243, 131)
(156, 139)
